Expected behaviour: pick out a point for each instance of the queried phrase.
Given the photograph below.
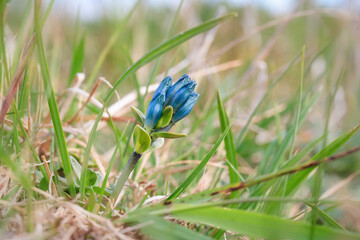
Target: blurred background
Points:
(241, 58)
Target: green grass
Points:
(271, 146)
(53, 108)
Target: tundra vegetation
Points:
(95, 145)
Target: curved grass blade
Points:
(77, 61)
(260, 225)
(229, 141)
(157, 228)
(55, 116)
(299, 107)
(257, 108)
(112, 41)
(224, 190)
(202, 164)
(325, 216)
(159, 60)
(161, 49)
(284, 146)
(298, 178)
(31, 147)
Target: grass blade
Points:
(202, 164)
(112, 41)
(325, 216)
(279, 188)
(298, 178)
(278, 158)
(260, 225)
(27, 140)
(2, 41)
(230, 148)
(23, 178)
(26, 183)
(157, 228)
(229, 141)
(55, 116)
(18, 77)
(77, 60)
(298, 111)
(257, 108)
(208, 194)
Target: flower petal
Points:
(163, 86)
(185, 109)
(182, 95)
(176, 86)
(154, 111)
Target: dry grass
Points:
(243, 75)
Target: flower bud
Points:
(154, 111)
(163, 86)
(181, 96)
(186, 108)
(175, 87)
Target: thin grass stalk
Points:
(55, 116)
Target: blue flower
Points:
(186, 108)
(164, 86)
(156, 105)
(154, 111)
(180, 96)
(176, 86)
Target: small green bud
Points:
(165, 118)
(141, 140)
(140, 117)
(167, 135)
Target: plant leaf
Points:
(165, 118)
(139, 115)
(259, 225)
(76, 166)
(92, 178)
(77, 59)
(197, 170)
(158, 228)
(325, 216)
(229, 141)
(167, 135)
(299, 177)
(141, 140)
(54, 111)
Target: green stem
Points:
(125, 175)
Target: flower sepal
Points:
(155, 135)
(139, 115)
(141, 140)
(165, 118)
